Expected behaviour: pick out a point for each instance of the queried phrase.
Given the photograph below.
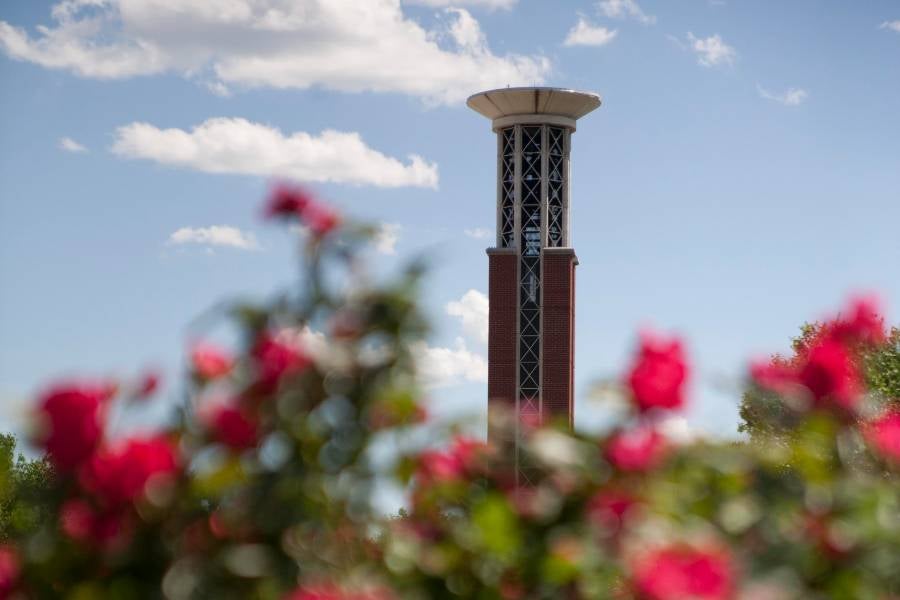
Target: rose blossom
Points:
(83, 523)
(209, 361)
(659, 373)
(609, 507)
(297, 202)
(72, 421)
(830, 375)
(862, 323)
(9, 569)
(640, 449)
(275, 359)
(680, 572)
(120, 474)
(883, 435)
(230, 426)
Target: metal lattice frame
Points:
(532, 213)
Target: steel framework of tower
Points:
(532, 268)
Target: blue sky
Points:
(742, 176)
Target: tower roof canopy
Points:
(505, 102)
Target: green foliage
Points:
(24, 488)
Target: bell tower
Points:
(531, 287)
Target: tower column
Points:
(532, 268)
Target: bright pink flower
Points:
(210, 362)
(232, 427)
(639, 449)
(320, 219)
(436, 466)
(682, 572)
(72, 420)
(775, 376)
(121, 474)
(861, 323)
(831, 376)
(9, 569)
(659, 373)
(883, 435)
(276, 359)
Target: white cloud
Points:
(215, 235)
(386, 238)
(344, 45)
(442, 367)
(479, 233)
(489, 4)
(892, 25)
(584, 33)
(239, 146)
(791, 97)
(472, 310)
(70, 145)
(620, 9)
(711, 51)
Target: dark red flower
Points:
(147, 385)
(121, 474)
(831, 376)
(72, 420)
(683, 572)
(883, 435)
(287, 201)
(608, 508)
(9, 569)
(232, 427)
(84, 524)
(210, 362)
(276, 359)
(659, 373)
(296, 202)
(640, 449)
(862, 322)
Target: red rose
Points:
(232, 427)
(659, 373)
(437, 466)
(119, 475)
(639, 449)
(773, 375)
(608, 508)
(9, 569)
(680, 572)
(82, 523)
(287, 201)
(275, 359)
(210, 362)
(830, 375)
(884, 435)
(147, 385)
(862, 323)
(296, 202)
(72, 419)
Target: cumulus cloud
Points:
(711, 51)
(239, 146)
(215, 235)
(479, 233)
(489, 4)
(472, 311)
(583, 33)
(620, 9)
(70, 145)
(386, 238)
(343, 45)
(442, 367)
(892, 25)
(791, 97)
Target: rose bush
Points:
(262, 486)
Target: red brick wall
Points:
(502, 332)
(559, 329)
